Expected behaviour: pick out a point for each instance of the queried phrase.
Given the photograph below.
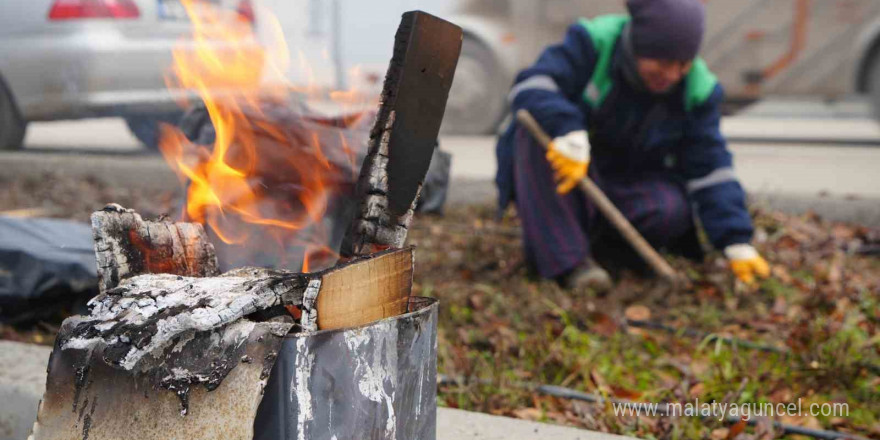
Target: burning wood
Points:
(187, 334)
(264, 184)
(126, 245)
(146, 311)
(402, 141)
(169, 335)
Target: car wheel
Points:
(12, 125)
(146, 127)
(477, 98)
(873, 84)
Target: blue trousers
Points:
(561, 231)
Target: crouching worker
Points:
(629, 104)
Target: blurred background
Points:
(801, 77)
(76, 59)
(86, 86)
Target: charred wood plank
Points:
(403, 139)
(126, 245)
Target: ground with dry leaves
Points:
(809, 332)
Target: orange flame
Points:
(252, 182)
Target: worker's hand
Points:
(746, 262)
(569, 156)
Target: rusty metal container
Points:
(372, 382)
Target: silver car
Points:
(71, 59)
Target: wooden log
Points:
(126, 245)
(146, 313)
(158, 283)
(377, 228)
(363, 293)
(166, 338)
(402, 142)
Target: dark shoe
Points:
(589, 275)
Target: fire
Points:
(262, 183)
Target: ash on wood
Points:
(126, 245)
(159, 345)
(146, 313)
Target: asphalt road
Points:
(809, 158)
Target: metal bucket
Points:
(378, 381)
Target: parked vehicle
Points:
(72, 59)
(108, 57)
(825, 49)
(348, 44)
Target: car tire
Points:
(874, 93)
(872, 81)
(146, 127)
(477, 98)
(12, 125)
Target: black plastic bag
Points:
(46, 265)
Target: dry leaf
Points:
(603, 324)
(781, 273)
(736, 429)
(781, 395)
(780, 305)
(637, 313)
(719, 434)
(533, 414)
(700, 367)
(625, 393)
(812, 423)
(838, 421)
(843, 232)
(788, 242)
(476, 302)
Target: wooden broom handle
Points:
(657, 263)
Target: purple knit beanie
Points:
(667, 29)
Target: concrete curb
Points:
(864, 211)
(23, 379)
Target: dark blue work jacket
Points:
(633, 133)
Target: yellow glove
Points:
(569, 156)
(745, 262)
